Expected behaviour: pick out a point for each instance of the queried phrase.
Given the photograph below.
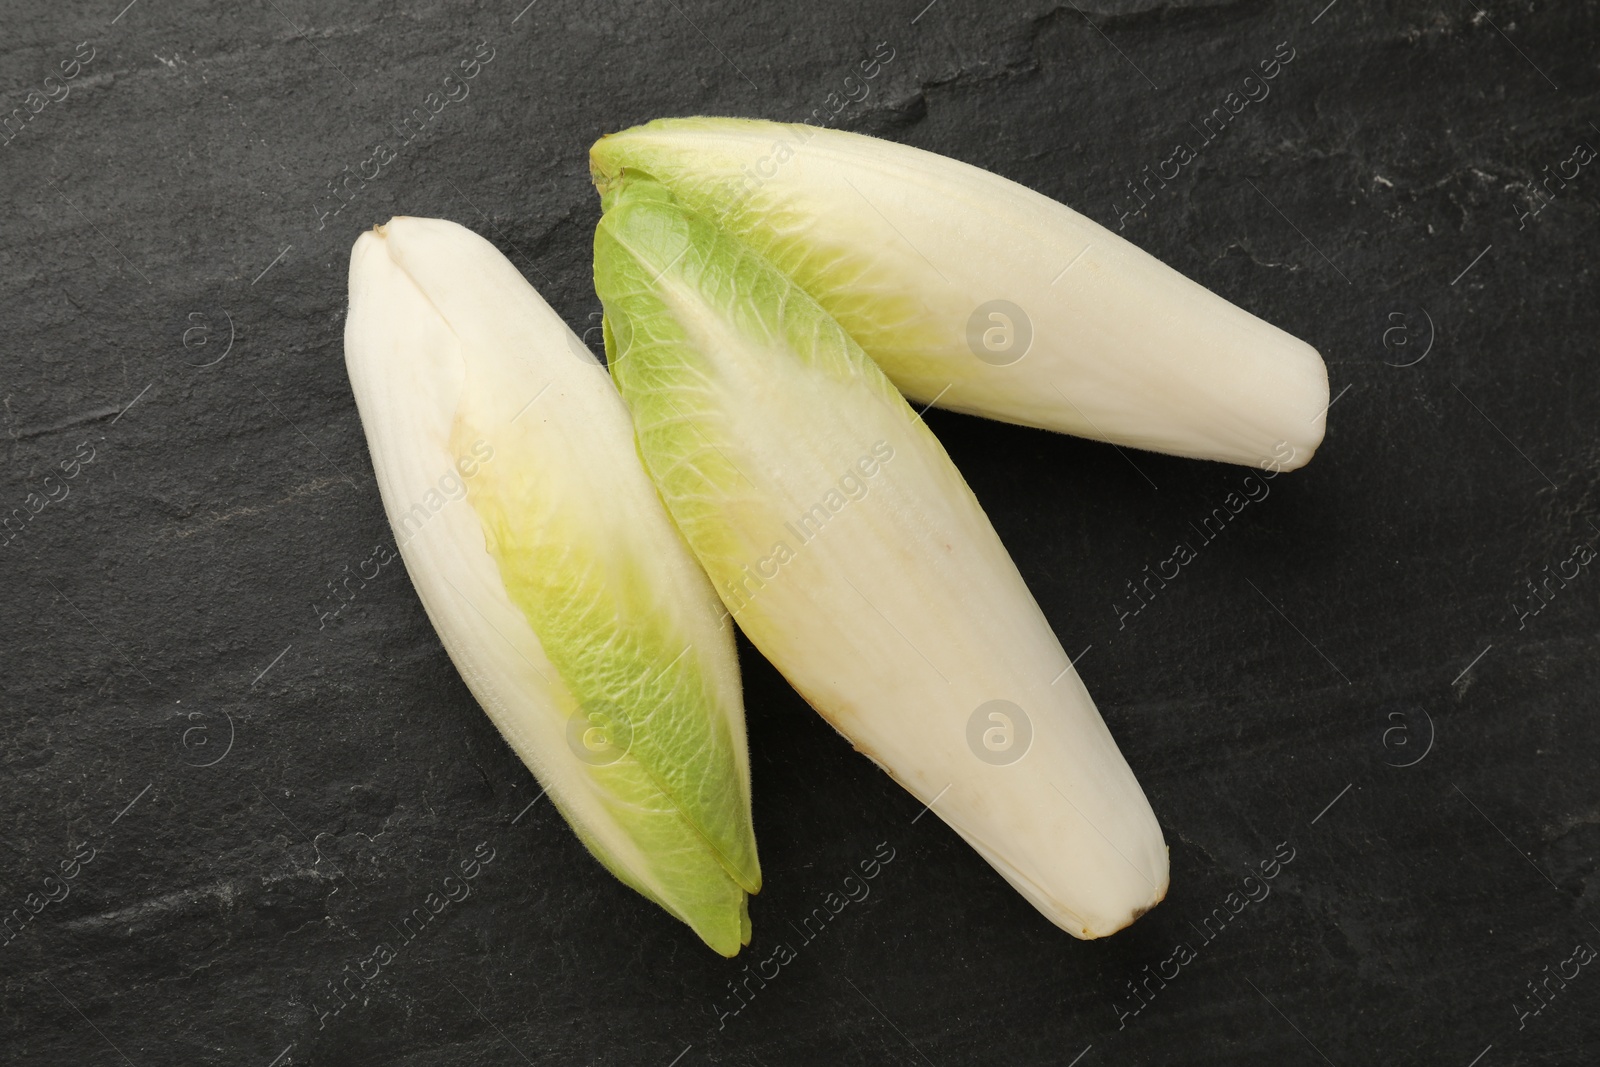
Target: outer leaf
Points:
(854, 556)
(559, 587)
(978, 294)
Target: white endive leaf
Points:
(975, 293)
(545, 560)
(854, 556)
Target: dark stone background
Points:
(164, 614)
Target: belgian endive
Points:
(852, 553)
(975, 293)
(558, 585)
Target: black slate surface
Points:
(251, 792)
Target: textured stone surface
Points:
(251, 801)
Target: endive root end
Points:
(1135, 915)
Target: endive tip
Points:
(606, 180)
